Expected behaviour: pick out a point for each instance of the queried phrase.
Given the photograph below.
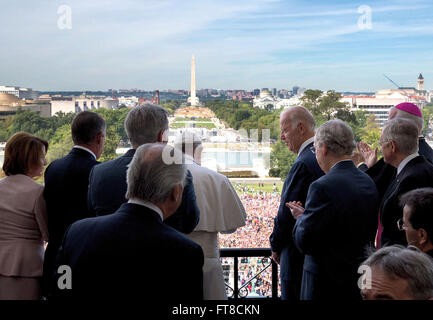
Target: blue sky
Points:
(241, 44)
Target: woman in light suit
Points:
(23, 227)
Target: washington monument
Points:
(193, 98)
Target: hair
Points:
(404, 132)
(144, 123)
(300, 114)
(23, 151)
(86, 126)
(420, 203)
(150, 177)
(337, 136)
(187, 140)
(409, 264)
(406, 115)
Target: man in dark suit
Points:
(339, 220)
(66, 181)
(297, 131)
(381, 172)
(399, 141)
(131, 254)
(107, 183)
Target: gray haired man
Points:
(131, 254)
(399, 143)
(397, 273)
(107, 183)
(339, 219)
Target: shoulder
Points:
(23, 182)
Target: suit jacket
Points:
(304, 171)
(418, 173)
(130, 254)
(383, 173)
(338, 224)
(107, 189)
(66, 183)
(23, 226)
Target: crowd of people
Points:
(261, 210)
(337, 203)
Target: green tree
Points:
(60, 144)
(427, 114)
(281, 160)
(370, 134)
(111, 144)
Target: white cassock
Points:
(221, 210)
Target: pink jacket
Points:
(23, 226)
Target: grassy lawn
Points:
(266, 187)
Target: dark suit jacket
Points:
(130, 254)
(65, 193)
(339, 222)
(418, 173)
(107, 189)
(383, 173)
(304, 171)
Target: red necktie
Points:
(379, 233)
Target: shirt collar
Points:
(84, 148)
(406, 161)
(147, 204)
(189, 159)
(306, 143)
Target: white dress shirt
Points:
(88, 150)
(306, 143)
(406, 161)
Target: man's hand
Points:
(357, 157)
(296, 208)
(276, 257)
(369, 155)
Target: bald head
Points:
(298, 114)
(296, 125)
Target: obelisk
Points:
(193, 98)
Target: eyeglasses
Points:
(382, 144)
(313, 150)
(400, 225)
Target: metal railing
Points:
(237, 253)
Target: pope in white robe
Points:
(221, 210)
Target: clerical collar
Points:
(406, 161)
(147, 204)
(88, 150)
(306, 143)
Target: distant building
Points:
(128, 101)
(266, 100)
(10, 104)
(82, 103)
(380, 103)
(22, 93)
(420, 82)
(274, 92)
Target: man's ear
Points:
(99, 137)
(423, 236)
(176, 193)
(160, 136)
(325, 149)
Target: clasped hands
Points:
(295, 208)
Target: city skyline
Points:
(243, 45)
